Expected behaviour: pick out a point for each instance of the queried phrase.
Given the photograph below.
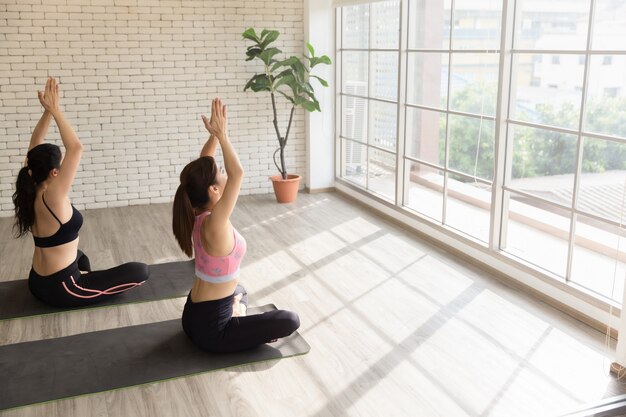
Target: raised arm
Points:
(220, 214)
(39, 134)
(73, 148)
(211, 144)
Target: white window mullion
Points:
(447, 142)
(338, 86)
(579, 150)
(370, 83)
(502, 169)
(401, 177)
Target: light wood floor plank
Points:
(396, 326)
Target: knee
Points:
(291, 321)
(138, 270)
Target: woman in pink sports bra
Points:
(215, 317)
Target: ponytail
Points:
(24, 201)
(182, 220)
(41, 160)
(193, 192)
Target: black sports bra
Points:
(66, 233)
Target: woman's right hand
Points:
(218, 123)
(49, 98)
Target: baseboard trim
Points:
(319, 190)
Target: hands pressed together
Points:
(218, 124)
(49, 98)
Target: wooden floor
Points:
(397, 327)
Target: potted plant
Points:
(289, 78)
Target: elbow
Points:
(236, 172)
(76, 151)
(239, 172)
(76, 148)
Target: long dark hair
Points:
(193, 192)
(41, 160)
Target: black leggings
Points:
(69, 288)
(211, 326)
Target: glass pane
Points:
(426, 135)
(471, 146)
(424, 190)
(602, 179)
(605, 111)
(609, 25)
(355, 21)
(354, 70)
(477, 24)
(537, 233)
(551, 24)
(354, 163)
(427, 79)
(429, 24)
(468, 206)
(598, 261)
(385, 25)
(474, 83)
(384, 119)
(354, 118)
(543, 163)
(547, 89)
(384, 77)
(382, 173)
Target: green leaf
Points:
(283, 73)
(321, 80)
(270, 37)
(287, 62)
(286, 96)
(259, 82)
(326, 60)
(319, 60)
(311, 94)
(267, 55)
(299, 69)
(310, 48)
(310, 106)
(287, 79)
(253, 52)
(251, 34)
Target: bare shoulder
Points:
(214, 228)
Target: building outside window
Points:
(420, 106)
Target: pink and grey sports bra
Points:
(216, 269)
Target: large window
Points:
(429, 106)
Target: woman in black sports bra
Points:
(61, 275)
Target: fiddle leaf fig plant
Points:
(288, 77)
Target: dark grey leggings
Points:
(210, 325)
(69, 288)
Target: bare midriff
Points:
(207, 291)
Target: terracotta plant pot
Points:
(286, 191)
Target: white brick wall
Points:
(135, 76)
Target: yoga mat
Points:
(46, 370)
(168, 280)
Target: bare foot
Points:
(239, 310)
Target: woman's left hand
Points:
(49, 98)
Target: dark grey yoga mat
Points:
(45, 370)
(167, 280)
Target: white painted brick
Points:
(135, 76)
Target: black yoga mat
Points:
(46, 370)
(168, 280)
